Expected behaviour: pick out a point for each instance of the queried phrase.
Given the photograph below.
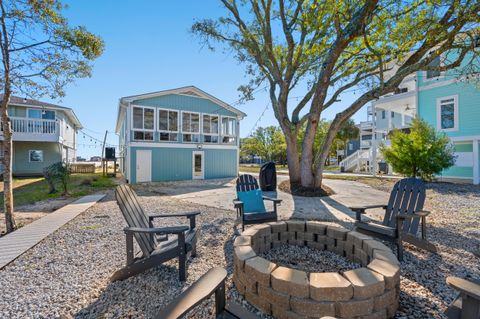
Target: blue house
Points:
(178, 134)
(449, 101)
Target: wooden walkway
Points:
(15, 244)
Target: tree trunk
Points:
(306, 162)
(292, 159)
(7, 164)
(324, 151)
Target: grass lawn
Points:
(255, 168)
(31, 190)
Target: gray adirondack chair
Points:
(247, 183)
(467, 304)
(213, 282)
(155, 244)
(403, 215)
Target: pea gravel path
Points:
(67, 274)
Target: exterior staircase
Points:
(356, 161)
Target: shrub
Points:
(57, 172)
(421, 153)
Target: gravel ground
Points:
(66, 275)
(309, 259)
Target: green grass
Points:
(31, 190)
(255, 168)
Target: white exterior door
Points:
(144, 166)
(198, 171)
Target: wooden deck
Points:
(15, 244)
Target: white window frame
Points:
(202, 153)
(143, 131)
(212, 134)
(455, 113)
(30, 158)
(143, 118)
(199, 122)
(200, 128)
(168, 122)
(41, 110)
(234, 133)
(442, 74)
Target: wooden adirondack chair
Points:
(211, 282)
(247, 183)
(403, 215)
(156, 247)
(467, 304)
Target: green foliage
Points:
(45, 52)
(320, 135)
(266, 142)
(421, 153)
(57, 172)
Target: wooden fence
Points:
(82, 168)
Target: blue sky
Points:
(148, 47)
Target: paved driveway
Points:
(221, 192)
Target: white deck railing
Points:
(356, 160)
(34, 126)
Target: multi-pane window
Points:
(228, 130)
(41, 114)
(433, 73)
(143, 123)
(210, 128)
(447, 113)
(168, 125)
(191, 127)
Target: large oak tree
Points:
(325, 48)
(41, 54)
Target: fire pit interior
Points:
(331, 271)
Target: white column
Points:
(476, 163)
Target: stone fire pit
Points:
(368, 292)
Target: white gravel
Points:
(67, 274)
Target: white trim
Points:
(453, 177)
(476, 162)
(41, 111)
(219, 123)
(143, 118)
(148, 169)
(203, 164)
(199, 123)
(437, 84)
(184, 145)
(455, 113)
(466, 139)
(235, 129)
(168, 123)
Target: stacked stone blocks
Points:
(368, 292)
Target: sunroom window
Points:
(210, 128)
(168, 125)
(143, 123)
(191, 127)
(228, 130)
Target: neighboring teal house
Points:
(44, 134)
(449, 101)
(178, 134)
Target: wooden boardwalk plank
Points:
(15, 244)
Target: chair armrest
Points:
(195, 294)
(237, 204)
(188, 215)
(422, 213)
(362, 209)
(275, 200)
(466, 287)
(160, 231)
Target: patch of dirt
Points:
(21, 219)
(299, 190)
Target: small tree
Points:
(57, 172)
(41, 53)
(421, 153)
(267, 142)
(347, 132)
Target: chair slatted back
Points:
(246, 183)
(134, 215)
(407, 196)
